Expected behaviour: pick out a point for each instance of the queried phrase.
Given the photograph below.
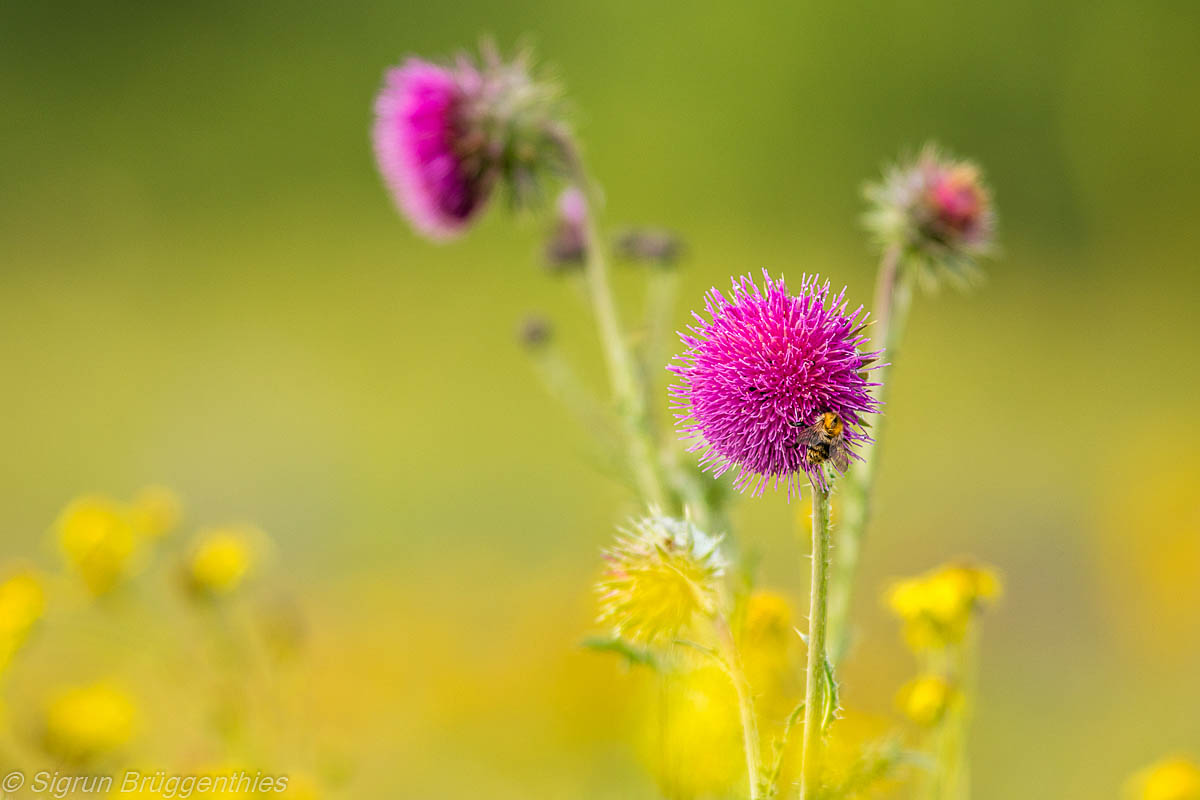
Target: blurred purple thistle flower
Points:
(424, 149)
(765, 366)
(444, 136)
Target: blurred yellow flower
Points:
(155, 511)
(769, 648)
(658, 576)
(926, 698)
(84, 723)
(1170, 779)
(302, 786)
(96, 536)
(220, 560)
(768, 618)
(937, 606)
(694, 744)
(22, 602)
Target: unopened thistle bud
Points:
(937, 211)
(444, 136)
(937, 607)
(535, 332)
(567, 248)
(659, 575)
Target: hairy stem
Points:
(814, 692)
(628, 392)
(732, 661)
(893, 297)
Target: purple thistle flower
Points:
(767, 365)
(428, 157)
(444, 136)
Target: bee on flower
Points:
(937, 607)
(96, 536)
(1175, 778)
(936, 212)
(661, 573)
(220, 561)
(22, 603)
(775, 384)
(84, 724)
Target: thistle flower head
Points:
(937, 607)
(84, 723)
(766, 366)
(659, 575)
(445, 135)
(1175, 778)
(938, 211)
(926, 698)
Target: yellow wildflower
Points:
(659, 575)
(937, 606)
(221, 560)
(1170, 779)
(693, 742)
(926, 698)
(769, 647)
(22, 602)
(97, 539)
(155, 511)
(84, 723)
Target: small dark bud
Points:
(535, 332)
(650, 245)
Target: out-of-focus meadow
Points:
(203, 285)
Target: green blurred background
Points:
(203, 284)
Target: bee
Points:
(825, 440)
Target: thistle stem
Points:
(814, 692)
(737, 676)
(893, 298)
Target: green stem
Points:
(627, 389)
(732, 662)
(810, 774)
(893, 298)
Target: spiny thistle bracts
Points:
(660, 574)
(938, 212)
